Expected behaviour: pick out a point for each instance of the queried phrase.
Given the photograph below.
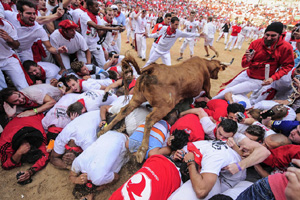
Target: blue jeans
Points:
(260, 190)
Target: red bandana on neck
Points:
(29, 103)
(83, 9)
(119, 13)
(136, 12)
(62, 33)
(92, 16)
(169, 32)
(197, 154)
(43, 9)
(104, 18)
(21, 22)
(43, 74)
(80, 84)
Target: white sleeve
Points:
(238, 137)
(1, 10)
(84, 18)
(208, 127)
(82, 42)
(76, 165)
(53, 40)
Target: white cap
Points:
(114, 7)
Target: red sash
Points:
(43, 73)
(38, 51)
(27, 77)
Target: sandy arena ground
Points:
(51, 183)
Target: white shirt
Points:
(51, 70)
(141, 25)
(167, 41)
(191, 27)
(83, 130)
(103, 158)
(1, 10)
(6, 50)
(57, 115)
(93, 99)
(109, 35)
(73, 45)
(90, 35)
(76, 15)
(26, 35)
(209, 30)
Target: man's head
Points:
(233, 108)
(295, 135)
(280, 111)
(114, 56)
(254, 113)
(178, 139)
(275, 140)
(27, 12)
(32, 68)
(68, 28)
(41, 4)
(73, 83)
(272, 33)
(144, 12)
(227, 128)
(79, 68)
(119, 4)
(92, 6)
(12, 96)
(75, 3)
(76, 107)
(209, 19)
(192, 16)
(174, 23)
(109, 14)
(115, 9)
(255, 133)
(167, 18)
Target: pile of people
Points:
(62, 79)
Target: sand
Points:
(51, 183)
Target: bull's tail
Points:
(130, 60)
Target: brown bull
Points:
(164, 87)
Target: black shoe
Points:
(207, 55)
(179, 58)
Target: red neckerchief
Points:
(83, 9)
(74, 8)
(43, 73)
(136, 12)
(29, 103)
(104, 18)
(197, 154)
(169, 31)
(80, 84)
(119, 13)
(21, 22)
(76, 149)
(62, 33)
(38, 51)
(6, 6)
(1, 22)
(92, 16)
(81, 101)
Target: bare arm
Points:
(50, 18)
(56, 160)
(258, 155)
(53, 50)
(114, 85)
(202, 183)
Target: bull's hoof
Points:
(140, 154)
(101, 132)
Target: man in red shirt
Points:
(266, 60)
(236, 29)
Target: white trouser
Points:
(165, 57)
(66, 59)
(220, 35)
(154, 45)
(240, 40)
(98, 54)
(255, 37)
(242, 84)
(225, 37)
(186, 191)
(190, 42)
(11, 66)
(232, 40)
(141, 45)
(128, 31)
(132, 34)
(119, 43)
(2, 81)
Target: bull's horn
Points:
(227, 64)
(212, 57)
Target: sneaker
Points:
(144, 59)
(179, 58)
(207, 55)
(225, 49)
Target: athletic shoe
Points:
(207, 55)
(179, 58)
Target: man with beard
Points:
(77, 47)
(267, 59)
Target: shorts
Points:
(208, 42)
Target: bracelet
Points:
(103, 120)
(189, 162)
(239, 167)
(35, 110)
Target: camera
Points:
(240, 116)
(269, 113)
